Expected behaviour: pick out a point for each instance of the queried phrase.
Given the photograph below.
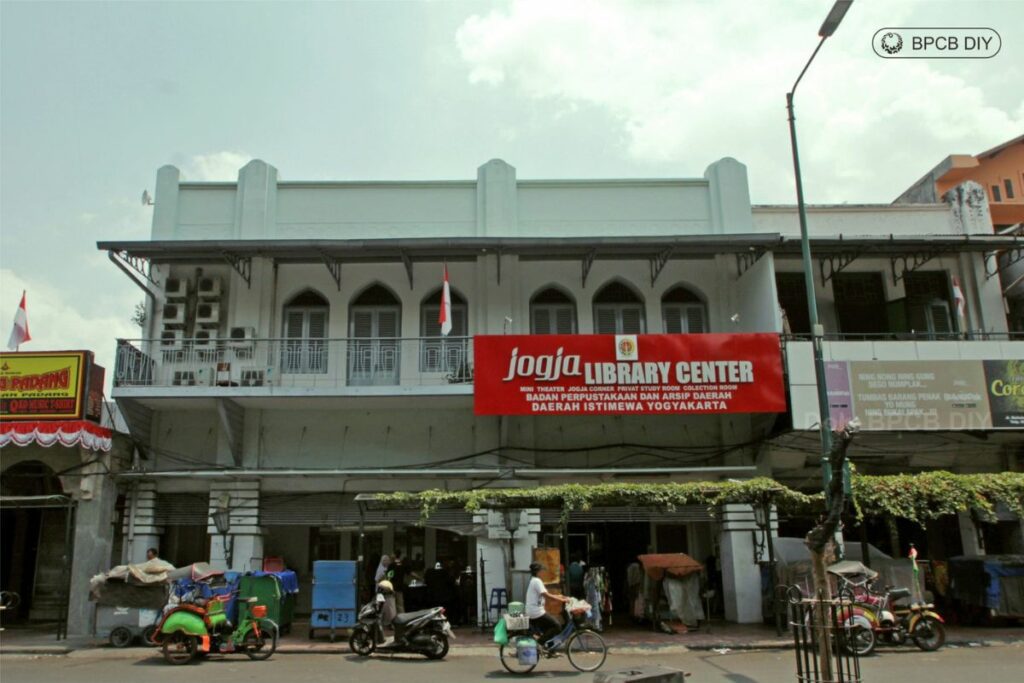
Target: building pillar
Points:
(92, 539)
(741, 576)
(140, 528)
(241, 549)
(493, 547)
(970, 537)
(429, 547)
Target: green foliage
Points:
(916, 497)
(930, 495)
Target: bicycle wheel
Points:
(263, 646)
(508, 654)
(586, 650)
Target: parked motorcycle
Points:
(426, 632)
(875, 616)
(196, 628)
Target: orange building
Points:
(999, 170)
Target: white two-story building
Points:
(291, 357)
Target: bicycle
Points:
(584, 647)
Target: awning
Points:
(65, 433)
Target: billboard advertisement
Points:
(645, 374)
(927, 395)
(45, 385)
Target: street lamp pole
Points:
(827, 29)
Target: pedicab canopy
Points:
(676, 565)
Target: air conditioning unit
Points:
(171, 340)
(241, 337)
(174, 315)
(208, 288)
(176, 288)
(208, 314)
(184, 378)
(205, 340)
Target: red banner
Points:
(634, 374)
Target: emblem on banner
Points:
(626, 347)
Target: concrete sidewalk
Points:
(469, 641)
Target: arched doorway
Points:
(305, 332)
(34, 542)
(374, 347)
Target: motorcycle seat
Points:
(897, 593)
(403, 619)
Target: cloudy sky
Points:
(94, 97)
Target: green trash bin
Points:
(267, 591)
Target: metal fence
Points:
(363, 361)
(824, 638)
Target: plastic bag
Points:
(500, 633)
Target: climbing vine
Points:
(915, 497)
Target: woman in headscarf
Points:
(383, 573)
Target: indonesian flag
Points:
(959, 300)
(913, 560)
(19, 334)
(444, 317)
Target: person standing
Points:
(383, 574)
(536, 593)
(398, 580)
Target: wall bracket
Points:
(588, 261)
(837, 263)
(241, 264)
(659, 262)
(333, 267)
(746, 260)
(996, 261)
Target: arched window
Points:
(552, 311)
(305, 333)
(683, 312)
(374, 347)
(618, 310)
(449, 354)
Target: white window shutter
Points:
(695, 319)
(632, 320)
(606, 320)
(565, 320)
(387, 323)
(673, 319)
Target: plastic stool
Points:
(499, 600)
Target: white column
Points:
(969, 536)
(244, 542)
(741, 577)
(140, 529)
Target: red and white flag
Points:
(444, 317)
(959, 301)
(19, 334)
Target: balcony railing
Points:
(314, 363)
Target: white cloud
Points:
(216, 166)
(56, 323)
(693, 82)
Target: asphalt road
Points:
(988, 664)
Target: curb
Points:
(467, 650)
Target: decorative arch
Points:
(374, 330)
(30, 478)
(683, 311)
(619, 309)
(552, 311)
